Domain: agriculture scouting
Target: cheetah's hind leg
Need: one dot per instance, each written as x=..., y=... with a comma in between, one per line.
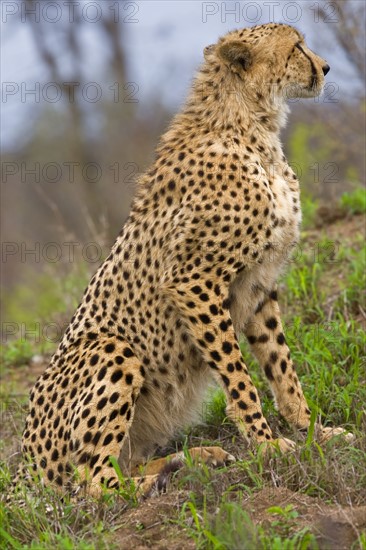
x=105, y=426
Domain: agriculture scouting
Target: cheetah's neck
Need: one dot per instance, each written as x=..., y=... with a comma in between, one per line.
x=220, y=103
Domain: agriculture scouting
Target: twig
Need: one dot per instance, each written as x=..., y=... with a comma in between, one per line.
x=363, y=313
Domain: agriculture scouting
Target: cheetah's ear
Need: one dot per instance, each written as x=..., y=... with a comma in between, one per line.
x=236, y=53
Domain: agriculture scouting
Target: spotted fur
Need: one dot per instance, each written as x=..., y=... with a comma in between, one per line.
x=195, y=265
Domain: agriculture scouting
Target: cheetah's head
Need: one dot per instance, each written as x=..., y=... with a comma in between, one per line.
x=273, y=59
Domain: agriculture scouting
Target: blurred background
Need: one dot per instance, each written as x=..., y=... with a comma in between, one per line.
x=88, y=87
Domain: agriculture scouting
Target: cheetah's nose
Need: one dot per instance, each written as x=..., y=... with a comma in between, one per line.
x=326, y=69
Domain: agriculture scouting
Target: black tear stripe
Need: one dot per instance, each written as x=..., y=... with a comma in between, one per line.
x=314, y=77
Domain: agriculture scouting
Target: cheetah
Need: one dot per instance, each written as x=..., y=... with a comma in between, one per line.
x=193, y=268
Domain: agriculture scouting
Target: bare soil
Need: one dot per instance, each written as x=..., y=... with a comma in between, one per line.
x=152, y=524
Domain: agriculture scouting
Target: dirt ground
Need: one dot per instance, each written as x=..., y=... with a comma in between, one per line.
x=152, y=523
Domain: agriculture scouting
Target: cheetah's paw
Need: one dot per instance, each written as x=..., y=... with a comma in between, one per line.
x=213, y=456
x=325, y=434
x=281, y=444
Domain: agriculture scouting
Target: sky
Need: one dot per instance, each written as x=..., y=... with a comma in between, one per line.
x=164, y=43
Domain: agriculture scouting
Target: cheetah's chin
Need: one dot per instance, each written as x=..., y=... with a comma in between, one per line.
x=294, y=92
x=305, y=93
x=315, y=90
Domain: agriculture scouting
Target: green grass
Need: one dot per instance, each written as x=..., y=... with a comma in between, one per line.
x=354, y=201
x=309, y=207
x=38, y=312
x=44, y=522
x=214, y=407
x=16, y=352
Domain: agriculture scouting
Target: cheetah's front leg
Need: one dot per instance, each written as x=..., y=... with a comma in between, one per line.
x=206, y=314
x=265, y=335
